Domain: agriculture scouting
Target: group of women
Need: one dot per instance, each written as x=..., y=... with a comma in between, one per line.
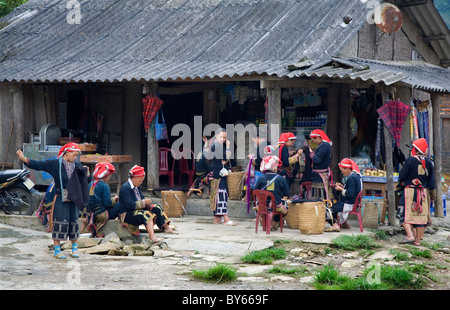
x=71, y=194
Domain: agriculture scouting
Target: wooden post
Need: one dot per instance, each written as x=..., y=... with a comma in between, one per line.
x=152, y=155
x=437, y=150
x=344, y=122
x=333, y=125
x=389, y=168
x=274, y=110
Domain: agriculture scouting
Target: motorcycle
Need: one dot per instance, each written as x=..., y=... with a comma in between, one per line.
x=15, y=195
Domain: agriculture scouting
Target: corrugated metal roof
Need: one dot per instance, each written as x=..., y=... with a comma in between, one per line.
x=416, y=74
x=433, y=27
x=126, y=40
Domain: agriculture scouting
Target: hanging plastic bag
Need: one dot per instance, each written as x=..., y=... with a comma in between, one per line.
x=161, y=128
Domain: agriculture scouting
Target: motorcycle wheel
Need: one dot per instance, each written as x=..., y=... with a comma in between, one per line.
x=23, y=202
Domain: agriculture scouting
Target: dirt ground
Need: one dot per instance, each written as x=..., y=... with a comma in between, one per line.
x=27, y=264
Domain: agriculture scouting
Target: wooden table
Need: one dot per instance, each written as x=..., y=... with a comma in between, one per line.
x=92, y=160
x=377, y=185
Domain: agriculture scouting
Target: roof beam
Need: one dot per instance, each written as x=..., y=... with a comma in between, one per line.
x=435, y=37
x=412, y=3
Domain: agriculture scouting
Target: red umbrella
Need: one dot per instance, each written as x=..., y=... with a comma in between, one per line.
x=394, y=114
x=151, y=106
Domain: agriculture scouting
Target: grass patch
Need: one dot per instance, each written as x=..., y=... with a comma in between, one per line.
x=420, y=253
x=353, y=242
x=264, y=257
x=379, y=234
x=284, y=270
x=375, y=278
x=219, y=273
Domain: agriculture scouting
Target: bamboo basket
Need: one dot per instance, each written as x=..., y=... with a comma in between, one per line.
x=371, y=210
x=311, y=217
x=291, y=218
x=174, y=203
x=235, y=185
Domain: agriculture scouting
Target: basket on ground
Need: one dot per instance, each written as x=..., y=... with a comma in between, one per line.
x=311, y=217
x=235, y=185
x=373, y=211
x=174, y=203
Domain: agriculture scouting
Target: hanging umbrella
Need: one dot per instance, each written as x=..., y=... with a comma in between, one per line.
x=151, y=105
x=394, y=114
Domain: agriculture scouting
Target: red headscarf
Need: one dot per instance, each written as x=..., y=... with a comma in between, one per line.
x=137, y=171
x=420, y=147
x=269, y=163
x=285, y=136
x=103, y=169
x=320, y=133
x=350, y=164
x=69, y=147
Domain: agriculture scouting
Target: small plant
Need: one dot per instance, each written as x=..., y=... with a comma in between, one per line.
x=283, y=269
x=264, y=257
x=219, y=273
x=380, y=234
x=329, y=276
x=346, y=242
x=419, y=253
x=399, y=257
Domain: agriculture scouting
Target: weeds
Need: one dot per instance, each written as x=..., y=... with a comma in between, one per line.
x=264, y=257
x=351, y=243
x=283, y=269
x=219, y=273
x=386, y=278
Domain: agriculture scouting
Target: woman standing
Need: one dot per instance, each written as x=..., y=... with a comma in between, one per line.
x=417, y=178
x=321, y=159
x=220, y=154
x=71, y=194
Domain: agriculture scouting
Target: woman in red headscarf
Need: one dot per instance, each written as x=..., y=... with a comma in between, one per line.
x=321, y=159
x=101, y=207
x=286, y=165
x=348, y=194
x=71, y=196
x=136, y=210
x=416, y=178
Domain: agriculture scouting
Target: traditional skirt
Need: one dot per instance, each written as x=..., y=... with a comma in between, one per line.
x=414, y=206
x=219, y=196
x=132, y=220
x=63, y=220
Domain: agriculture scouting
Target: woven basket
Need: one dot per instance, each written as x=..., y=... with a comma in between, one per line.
x=235, y=185
x=311, y=217
x=292, y=216
x=174, y=203
x=371, y=210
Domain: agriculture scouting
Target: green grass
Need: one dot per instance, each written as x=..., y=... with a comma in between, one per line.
x=353, y=242
x=386, y=278
x=219, y=273
x=264, y=257
x=284, y=270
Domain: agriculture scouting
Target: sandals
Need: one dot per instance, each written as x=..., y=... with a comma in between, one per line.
x=60, y=256
x=156, y=240
x=75, y=255
x=230, y=223
x=332, y=229
x=405, y=241
x=171, y=231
